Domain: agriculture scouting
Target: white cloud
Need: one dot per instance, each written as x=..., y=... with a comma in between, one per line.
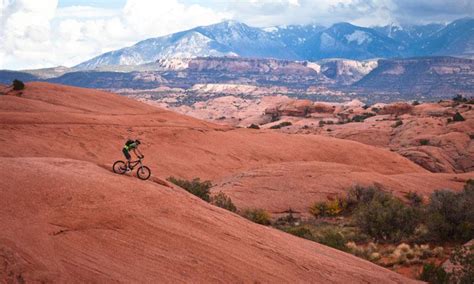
x=36, y=34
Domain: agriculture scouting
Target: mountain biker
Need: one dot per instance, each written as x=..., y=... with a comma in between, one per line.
x=131, y=145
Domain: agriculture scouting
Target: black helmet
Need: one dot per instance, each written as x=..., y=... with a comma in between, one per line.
x=138, y=142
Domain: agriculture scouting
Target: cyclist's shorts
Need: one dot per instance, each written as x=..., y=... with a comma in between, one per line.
x=127, y=155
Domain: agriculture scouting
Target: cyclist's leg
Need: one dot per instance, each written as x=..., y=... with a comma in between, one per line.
x=127, y=156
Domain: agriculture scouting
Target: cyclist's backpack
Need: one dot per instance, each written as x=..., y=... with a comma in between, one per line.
x=129, y=142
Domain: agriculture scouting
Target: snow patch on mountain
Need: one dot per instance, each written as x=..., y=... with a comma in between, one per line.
x=327, y=41
x=360, y=37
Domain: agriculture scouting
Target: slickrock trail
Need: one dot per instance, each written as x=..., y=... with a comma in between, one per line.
x=70, y=221
x=64, y=217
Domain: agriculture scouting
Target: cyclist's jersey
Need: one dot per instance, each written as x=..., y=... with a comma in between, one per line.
x=130, y=146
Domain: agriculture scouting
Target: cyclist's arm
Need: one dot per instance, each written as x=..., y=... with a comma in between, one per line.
x=139, y=153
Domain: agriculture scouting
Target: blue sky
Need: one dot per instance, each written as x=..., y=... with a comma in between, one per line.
x=46, y=33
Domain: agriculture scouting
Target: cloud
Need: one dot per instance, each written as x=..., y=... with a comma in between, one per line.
x=36, y=34
x=426, y=11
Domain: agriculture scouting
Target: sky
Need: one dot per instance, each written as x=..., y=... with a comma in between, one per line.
x=46, y=33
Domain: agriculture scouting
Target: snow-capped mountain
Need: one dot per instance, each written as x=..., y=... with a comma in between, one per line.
x=297, y=42
x=344, y=40
x=456, y=39
x=228, y=38
x=295, y=37
x=409, y=34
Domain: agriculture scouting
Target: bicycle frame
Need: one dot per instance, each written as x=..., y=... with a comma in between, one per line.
x=133, y=164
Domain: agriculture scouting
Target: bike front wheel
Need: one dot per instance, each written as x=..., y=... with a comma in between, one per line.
x=119, y=167
x=143, y=172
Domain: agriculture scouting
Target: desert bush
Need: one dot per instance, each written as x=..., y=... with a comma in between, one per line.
x=463, y=261
x=424, y=142
x=460, y=99
x=360, y=194
x=223, y=201
x=195, y=186
x=397, y=124
x=332, y=238
x=432, y=273
x=366, y=252
x=18, y=85
x=301, y=232
x=254, y=126
x=386, y=218
x=288, y=219
x=458, y=117
x=414, y=198
x=328, y=208
x=259, y=216
x=362, y=117
x=450, y=215
x=415, y=103
x=283, y=124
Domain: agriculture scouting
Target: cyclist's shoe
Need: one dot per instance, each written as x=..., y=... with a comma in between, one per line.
x=128, y=170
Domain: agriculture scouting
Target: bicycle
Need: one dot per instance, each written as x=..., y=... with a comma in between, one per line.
x=143, y=172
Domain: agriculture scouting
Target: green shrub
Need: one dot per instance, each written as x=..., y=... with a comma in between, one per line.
x=360, y=194
x=18, y=85
x=450, y=215
x=362, y=117
x=283, y=124
x=332, y=238
x=458, y=117
x=196, y=187
x=414, y=198
x=321, y=123
x=301, y=232
x=254, y=126
x=415, y=103
x=259, y=216
x=459, y=98
x=397, y=124
x=424, y=142
x=223, y=201
x=432, y=273
x=386, y=218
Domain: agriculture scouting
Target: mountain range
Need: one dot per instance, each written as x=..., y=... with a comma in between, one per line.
x=298, y=42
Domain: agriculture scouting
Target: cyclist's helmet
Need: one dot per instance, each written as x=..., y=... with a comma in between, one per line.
x=138, y=142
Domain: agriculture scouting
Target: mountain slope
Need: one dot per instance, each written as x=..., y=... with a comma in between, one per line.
x=457, y=39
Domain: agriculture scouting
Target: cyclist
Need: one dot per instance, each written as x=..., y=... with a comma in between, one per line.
x=131, y=145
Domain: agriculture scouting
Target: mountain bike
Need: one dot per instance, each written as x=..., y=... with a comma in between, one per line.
x=143, y=172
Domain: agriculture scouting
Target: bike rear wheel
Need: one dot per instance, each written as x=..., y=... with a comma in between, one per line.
x=119, y=167
x=143, y=172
